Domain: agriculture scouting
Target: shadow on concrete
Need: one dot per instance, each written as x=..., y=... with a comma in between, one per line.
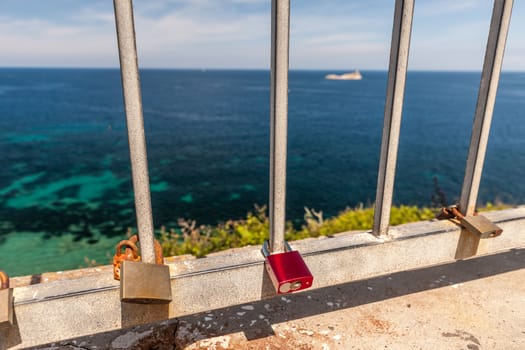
x=36, y=279
x=10, y=334
x=135, y=314
x=256, y=319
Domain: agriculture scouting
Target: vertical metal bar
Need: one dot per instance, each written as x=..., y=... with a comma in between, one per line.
x=402, y=28
x=499, y=28
x=278, y=121
x=136, y=137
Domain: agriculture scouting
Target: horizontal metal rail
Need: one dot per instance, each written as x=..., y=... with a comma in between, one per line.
x=402, y=28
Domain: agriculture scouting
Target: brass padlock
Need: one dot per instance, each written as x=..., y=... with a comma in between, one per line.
x=145, y=283
x=480, y=226
x=476, y=224
x=6, y=300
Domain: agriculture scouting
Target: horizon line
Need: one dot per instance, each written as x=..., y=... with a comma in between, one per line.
x=250, y=69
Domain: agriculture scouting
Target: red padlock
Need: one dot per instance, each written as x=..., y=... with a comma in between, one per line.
x=287, y=270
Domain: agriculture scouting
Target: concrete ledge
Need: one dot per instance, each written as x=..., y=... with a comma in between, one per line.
x=66, y=309
x=470, y=304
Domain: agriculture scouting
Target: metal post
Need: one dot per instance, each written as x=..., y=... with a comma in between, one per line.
x=403, y=14
x=499, y=28
x=136, y=138
x=278, y=121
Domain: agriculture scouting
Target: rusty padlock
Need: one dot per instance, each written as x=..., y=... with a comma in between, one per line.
x=477, y=224
x=159, y=257
x=145, y=283
x=287, y=270
x=131, y=253
x=6, y=300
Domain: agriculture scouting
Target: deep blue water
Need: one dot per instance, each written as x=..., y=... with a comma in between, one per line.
x=65, y=188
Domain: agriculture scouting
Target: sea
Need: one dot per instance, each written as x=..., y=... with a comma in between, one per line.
x=66, y=195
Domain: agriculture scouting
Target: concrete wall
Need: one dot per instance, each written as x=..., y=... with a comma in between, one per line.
x=64, y=309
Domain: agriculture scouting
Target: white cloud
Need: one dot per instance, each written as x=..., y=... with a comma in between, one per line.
x=447, y=7
x=447, y=34
x=37, y=42
x=182, y=41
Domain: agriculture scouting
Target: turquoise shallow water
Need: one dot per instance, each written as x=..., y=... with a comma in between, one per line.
x=65, y=187
x=26, y=253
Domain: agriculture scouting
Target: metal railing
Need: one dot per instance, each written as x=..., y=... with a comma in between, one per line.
x=280, y=29
x=279, y=121
x=135, y=122
x=402, y=28
x=403, y=15
x=499, y=28
x=92, y=302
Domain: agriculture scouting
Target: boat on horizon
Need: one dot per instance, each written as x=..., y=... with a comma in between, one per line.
x=355, y=75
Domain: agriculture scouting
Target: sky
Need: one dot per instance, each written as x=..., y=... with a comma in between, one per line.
x=329, y=35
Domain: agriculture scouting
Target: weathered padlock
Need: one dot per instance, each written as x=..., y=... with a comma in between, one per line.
x=480, y=226
x=159, y=258
x=131, y=253
x=287, y=270
x=477, y=224
x=6, y=300
x=145, y=283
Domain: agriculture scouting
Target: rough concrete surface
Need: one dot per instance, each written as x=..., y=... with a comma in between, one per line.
x=473, y=304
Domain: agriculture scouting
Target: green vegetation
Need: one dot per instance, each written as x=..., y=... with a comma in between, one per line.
x=189, y=238
x=200, y=240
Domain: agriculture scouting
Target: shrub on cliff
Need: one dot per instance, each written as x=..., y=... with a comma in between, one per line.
x=199, y=240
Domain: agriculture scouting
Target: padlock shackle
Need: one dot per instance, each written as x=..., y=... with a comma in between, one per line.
x=159, y=256
x=455, y=211
x=127, y=243
x=266, y=248
x=4, y=280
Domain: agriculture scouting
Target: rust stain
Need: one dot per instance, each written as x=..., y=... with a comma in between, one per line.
x=370, y=324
